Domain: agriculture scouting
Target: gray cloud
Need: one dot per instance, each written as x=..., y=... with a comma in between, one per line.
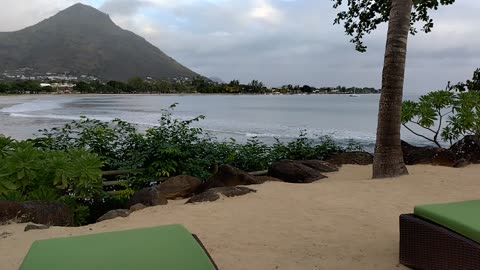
x=122, y=7
x=282, y=42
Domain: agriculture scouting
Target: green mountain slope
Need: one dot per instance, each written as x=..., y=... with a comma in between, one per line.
x=83, y=40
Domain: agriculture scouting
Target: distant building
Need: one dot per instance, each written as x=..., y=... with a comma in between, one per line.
x=63, y=85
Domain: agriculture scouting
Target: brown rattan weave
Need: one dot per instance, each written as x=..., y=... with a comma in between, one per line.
x=427, y=246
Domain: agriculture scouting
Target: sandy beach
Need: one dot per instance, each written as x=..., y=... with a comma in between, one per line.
x=344, y=222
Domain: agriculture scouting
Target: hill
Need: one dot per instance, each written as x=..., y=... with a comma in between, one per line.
x=83, y=40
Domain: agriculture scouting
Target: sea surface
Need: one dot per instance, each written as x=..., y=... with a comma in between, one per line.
x=240, y=117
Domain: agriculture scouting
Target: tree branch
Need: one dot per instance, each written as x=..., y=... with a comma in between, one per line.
x=440, y=120
x=429, y=129
x=420, y=135
x=445, y=114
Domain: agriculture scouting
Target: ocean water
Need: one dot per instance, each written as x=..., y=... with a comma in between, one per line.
x=241, y=117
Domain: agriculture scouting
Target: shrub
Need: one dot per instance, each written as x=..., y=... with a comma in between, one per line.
x=459, y=105
x=428, y=114
x=175, y=147
x=31, y=173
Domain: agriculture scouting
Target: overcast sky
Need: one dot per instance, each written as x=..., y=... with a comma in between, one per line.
x=279, y=41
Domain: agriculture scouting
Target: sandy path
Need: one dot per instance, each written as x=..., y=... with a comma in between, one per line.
x=344, y=222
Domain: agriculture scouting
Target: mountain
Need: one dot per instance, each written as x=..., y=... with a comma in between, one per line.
x=84, y=40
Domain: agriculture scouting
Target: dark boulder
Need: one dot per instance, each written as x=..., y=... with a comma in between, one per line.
x=214, y=194
x=264, y=179
x=294, y=172
x=319, y=165
x=38, y=212
x=148, y=197
x=114, y=214
x=137, y=207
x=353, y=158
x=31, y=227
x=10, y=210
x=413, y=155
x=467, y=149
x=228, y=176
x=181, y=186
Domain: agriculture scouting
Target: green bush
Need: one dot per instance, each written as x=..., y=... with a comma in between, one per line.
x=465, y=118
x=119, y=143
x=28, y=172
x=428, y=114
x=30, y=169
x=5, y=144
x=446, y=115
x=176, y=147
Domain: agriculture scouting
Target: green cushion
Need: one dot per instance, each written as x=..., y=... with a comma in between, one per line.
x=161, y=248
x=460, y=217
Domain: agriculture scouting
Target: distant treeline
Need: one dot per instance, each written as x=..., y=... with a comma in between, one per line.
x=196, y=85
x=24, y=87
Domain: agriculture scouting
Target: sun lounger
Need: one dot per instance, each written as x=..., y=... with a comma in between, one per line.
x=441, y=236
x=161, y=248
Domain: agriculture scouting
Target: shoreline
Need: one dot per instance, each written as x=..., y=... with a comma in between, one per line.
x=346, y=221
x=178, y=94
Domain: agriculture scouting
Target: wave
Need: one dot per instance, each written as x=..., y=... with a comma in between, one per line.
x=74, y=117
x=310, y=133
x=49, y=116
x=285, y=134
x=36, y=105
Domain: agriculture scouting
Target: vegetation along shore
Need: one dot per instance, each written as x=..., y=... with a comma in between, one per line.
x=197, y=85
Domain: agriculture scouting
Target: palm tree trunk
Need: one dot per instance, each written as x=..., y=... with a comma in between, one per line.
x=388, y=161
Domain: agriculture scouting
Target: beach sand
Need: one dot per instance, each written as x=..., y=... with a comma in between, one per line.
x=344, y=222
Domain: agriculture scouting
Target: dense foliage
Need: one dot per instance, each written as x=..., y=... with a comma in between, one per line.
x=28, y=172
x=65, y=164
x=446, y=115
x=197, y=85
x=176, y=146
x=23, y=87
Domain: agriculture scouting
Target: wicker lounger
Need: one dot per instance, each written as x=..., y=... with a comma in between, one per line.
x=427, y=246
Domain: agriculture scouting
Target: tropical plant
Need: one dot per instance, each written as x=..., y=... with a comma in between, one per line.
x=465, y=118
x=118, y=142
x=469, y=85
x=5, y=144
x=428, y=114
x=446, y=115
x=48, y=174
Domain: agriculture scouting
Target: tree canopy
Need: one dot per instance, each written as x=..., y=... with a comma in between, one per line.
x=361, y=17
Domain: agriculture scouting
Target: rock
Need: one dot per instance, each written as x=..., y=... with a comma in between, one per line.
x=264, y=179
x=319, y=165
x=354, y=158
x=213, y=194
x=294, y=172
x=137, y=207
x=181, y=186
x=467, y=150
x=148, y=197
x=413, y=155
x=38, y=212
x=228, y=176
x=10, y=210
x=114, y=214
x=31, y=227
